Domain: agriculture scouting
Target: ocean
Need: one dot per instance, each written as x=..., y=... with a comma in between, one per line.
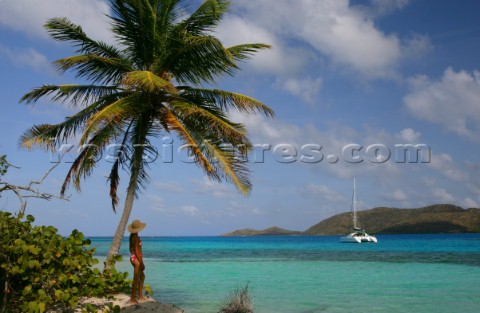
x=401, y=273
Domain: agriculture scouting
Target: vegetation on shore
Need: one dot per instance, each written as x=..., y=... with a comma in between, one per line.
x=439, y=218
x=40, y=270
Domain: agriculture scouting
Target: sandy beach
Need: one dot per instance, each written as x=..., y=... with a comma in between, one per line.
x=123, y=301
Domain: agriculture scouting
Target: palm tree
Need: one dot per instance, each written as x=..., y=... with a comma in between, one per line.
x=149, y=85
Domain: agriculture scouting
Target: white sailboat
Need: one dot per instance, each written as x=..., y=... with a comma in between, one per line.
x=359, y=234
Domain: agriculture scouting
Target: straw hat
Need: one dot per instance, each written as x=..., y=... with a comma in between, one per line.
x=136, y=226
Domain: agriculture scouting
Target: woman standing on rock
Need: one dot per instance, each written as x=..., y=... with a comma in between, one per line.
x=136, y=258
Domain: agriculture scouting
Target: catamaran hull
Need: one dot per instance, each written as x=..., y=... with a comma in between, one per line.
x=358, y=238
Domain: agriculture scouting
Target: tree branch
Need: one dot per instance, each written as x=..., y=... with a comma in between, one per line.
x=28, y=191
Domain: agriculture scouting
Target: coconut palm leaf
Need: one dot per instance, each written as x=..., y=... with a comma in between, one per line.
x=120, y=159
x=206, y=17
x=70, y=93
x=147, y=81
x=227, y=100
x=62, y=29
x=243, y=52
x=212, y=116
x=95, y=68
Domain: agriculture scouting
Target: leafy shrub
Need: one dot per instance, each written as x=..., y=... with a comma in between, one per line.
x=239, y=301
x=41, y=270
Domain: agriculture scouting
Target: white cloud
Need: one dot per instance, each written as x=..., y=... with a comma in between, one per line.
x=29, y=16
x=397, y=196
x=190, y=210
x=469, y=203
x=213, y=188
x=408, y=135
x=30, y=58
x=306, y=89
x=280, y=59
x=444, y=164
x=333, y=28
x=442, y=196
x=236, y=209
x=168, y=186
x=451, y=102
x=323, y=192
x=157, y=203
x=385, y=7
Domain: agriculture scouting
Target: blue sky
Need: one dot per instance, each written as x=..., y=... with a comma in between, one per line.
x=351, y=82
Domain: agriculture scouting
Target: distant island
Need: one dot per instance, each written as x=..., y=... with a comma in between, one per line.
x=272, y=231
x=433, y=219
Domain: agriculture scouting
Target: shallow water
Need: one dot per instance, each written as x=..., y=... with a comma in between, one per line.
x=402, y=273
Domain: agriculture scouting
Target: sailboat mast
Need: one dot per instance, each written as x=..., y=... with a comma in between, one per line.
x=354, y=204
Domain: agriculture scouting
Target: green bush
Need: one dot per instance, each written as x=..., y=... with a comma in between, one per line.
x=41, y=270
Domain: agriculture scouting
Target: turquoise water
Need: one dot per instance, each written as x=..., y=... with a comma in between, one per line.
x=402, y=273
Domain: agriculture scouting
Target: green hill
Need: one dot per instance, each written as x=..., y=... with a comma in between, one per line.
x=439, y=218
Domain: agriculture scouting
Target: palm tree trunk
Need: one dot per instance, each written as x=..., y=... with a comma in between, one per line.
x=132, y=188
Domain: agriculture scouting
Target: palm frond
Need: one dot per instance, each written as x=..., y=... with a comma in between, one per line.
x=207, y=116
x=117, y=112
x=40, y=136
x=146, y=81
x=245, y=51
x=193, y=145
x=230, y=164
x=140, y=147
x=225, y=156
x=95, y=68
x=199, y=59
x=52, y=136
x=74, y=94
x=120, y=159
x=134, y=24
x=62, y=29
x=206, y=17
x=90, y=153
x=227, y=100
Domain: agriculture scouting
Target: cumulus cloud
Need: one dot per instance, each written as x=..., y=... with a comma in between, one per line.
x=306, y=89
x=168, y=186
x=30, y=58
x=442, y=196
x=281, y=59
x=333, y=28
x=190, y=210
x=379, y=8
x=408, y=135
x=397, y=196
x=29, y=16
x=323, y=192
x=444, y=164
x=469, y=203
x=157, y=203
x=213, y=188
x=451, y=101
